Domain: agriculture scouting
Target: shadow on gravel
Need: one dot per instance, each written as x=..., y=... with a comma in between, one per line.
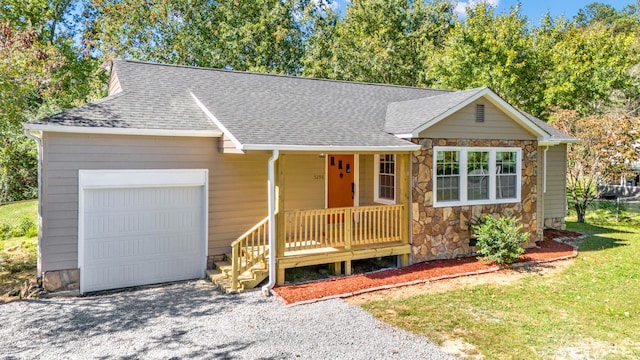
x=86, y=318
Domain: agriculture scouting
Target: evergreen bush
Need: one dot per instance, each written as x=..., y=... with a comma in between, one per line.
x=499, y=239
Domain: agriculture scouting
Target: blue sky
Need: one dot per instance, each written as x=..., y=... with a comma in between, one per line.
x=535, y=9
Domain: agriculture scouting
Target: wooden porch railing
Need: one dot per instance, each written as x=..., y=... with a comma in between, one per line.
x=249, y=249
x=343, y=227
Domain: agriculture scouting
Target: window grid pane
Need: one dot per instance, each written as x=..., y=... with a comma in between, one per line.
x=386, y=177
x=477, y=175
x=506, y=174
x=448, y=178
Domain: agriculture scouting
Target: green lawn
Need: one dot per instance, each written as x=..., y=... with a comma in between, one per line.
x=590, y=310
x=12, y=213
x=18, y=252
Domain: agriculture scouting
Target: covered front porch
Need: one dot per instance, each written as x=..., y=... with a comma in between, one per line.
x=334, y=235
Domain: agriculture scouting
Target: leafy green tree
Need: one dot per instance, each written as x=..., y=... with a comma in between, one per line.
x=590, y=65
x=263, y=36
x=41, y=72
x=320, y=59
x=493, y=50
x=625, y=20
x=592, y=69
x=380, y=41
x=606, y=147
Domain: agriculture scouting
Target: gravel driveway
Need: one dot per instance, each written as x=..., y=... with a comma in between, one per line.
x=193, y=320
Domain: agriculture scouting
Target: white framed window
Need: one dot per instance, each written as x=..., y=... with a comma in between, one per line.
x=476, y=175
x=384, y=179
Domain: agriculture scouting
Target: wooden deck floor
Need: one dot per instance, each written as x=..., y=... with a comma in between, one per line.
x=328, y=255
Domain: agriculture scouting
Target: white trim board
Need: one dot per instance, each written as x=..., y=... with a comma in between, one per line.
x=334, y=149
x=97, y=179
x=376, y=180
x=121, y=131
x=462, y=201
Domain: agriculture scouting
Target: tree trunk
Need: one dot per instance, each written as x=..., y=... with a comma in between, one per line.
x=580, y=211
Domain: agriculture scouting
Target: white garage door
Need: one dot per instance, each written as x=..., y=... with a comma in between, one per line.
x=139, y=227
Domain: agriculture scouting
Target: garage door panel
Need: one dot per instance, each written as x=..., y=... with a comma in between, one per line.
x=142, y=235
x=153, y=270
x=108, y=200
x=140, y=222
x=137, y=223
x=137, y=246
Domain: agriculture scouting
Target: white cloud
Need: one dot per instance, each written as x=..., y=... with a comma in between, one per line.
x=461, y=6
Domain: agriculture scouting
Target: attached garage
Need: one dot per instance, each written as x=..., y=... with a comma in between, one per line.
x=139, y=227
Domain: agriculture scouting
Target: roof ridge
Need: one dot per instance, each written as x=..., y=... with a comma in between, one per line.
x=280, y=75
x=449, y=92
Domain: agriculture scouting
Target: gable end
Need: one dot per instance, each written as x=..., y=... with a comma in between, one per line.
x=479, y=120
x=114, y=83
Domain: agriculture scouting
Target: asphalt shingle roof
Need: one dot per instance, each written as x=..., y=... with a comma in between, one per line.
x=554, y=134
x=145, y=103
x=405, y=116
x=260, y=109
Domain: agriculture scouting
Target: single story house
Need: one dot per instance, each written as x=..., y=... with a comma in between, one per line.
x=179, y=166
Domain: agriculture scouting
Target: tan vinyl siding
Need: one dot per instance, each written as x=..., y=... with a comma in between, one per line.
x=227, y=146
x=237, y=184
x=555, y=199
x=114, y=84
x=463, y=125
x=304, y=182
x=366, y=180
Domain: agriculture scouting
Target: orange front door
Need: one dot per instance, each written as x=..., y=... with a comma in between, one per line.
x=340, y=185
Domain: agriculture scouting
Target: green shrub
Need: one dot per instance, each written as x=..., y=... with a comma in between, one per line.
x=499, y=239
x=31, y=232
x=18, y=167
x=5, y=231
x=16, y=232
x=28, y=227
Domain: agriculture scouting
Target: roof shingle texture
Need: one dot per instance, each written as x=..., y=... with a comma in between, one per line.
x=255, y=108
x=151, y=100
x=260, y=109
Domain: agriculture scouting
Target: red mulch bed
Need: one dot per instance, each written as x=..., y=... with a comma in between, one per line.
x=346, y=286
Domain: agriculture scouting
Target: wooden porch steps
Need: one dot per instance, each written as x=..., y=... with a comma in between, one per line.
x=221, y=276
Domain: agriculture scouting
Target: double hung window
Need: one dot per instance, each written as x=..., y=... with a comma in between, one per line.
x=470, y=176
x=385, y=178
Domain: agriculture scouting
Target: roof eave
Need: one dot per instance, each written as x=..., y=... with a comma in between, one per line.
x=554, y=142
x=121, y=131
x=404, y=136
x=331, y=148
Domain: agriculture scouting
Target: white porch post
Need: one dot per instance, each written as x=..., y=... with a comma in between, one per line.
x=272, y=222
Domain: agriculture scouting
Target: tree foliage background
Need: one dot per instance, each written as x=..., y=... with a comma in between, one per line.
x=55, y=54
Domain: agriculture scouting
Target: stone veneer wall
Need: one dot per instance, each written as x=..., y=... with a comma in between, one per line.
x=61, y=280
x=443, y=233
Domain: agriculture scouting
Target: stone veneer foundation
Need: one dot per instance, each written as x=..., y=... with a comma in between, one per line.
x=555, y=223
x=443, y=232
x=61, y=280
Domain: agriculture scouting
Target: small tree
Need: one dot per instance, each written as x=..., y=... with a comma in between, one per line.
x=500, y=239
x=606, y=147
